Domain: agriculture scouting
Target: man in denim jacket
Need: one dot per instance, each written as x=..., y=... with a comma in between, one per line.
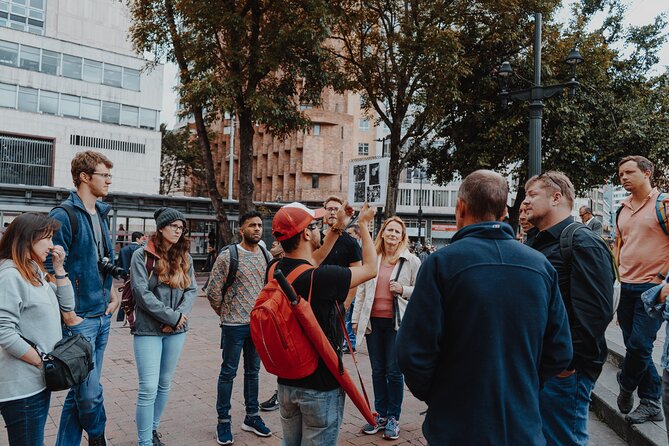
x=655, y=301
x=83, y=408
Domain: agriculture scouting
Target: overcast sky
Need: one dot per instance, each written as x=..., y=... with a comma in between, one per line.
x=639, y=12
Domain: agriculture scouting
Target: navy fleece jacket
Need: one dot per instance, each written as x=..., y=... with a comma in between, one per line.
x=484, y=328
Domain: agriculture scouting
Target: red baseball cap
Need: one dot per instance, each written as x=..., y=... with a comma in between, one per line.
x=292, y=219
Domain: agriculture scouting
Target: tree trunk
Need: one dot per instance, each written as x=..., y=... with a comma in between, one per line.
x=202, y=136
x=246, y=186
x=394, y=172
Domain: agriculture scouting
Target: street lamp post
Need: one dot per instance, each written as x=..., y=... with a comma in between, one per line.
x=536, y=94
x=420, y=204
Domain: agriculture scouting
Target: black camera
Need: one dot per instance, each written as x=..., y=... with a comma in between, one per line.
x=106, y=266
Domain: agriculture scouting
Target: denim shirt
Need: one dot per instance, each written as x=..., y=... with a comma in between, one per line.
x=658, y=311
x=91, y=290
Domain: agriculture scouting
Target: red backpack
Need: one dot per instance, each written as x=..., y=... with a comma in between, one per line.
x=283, y=347
x=127, y=299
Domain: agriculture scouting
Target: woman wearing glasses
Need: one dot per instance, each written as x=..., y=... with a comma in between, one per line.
x=164, y=288
x=29, y=310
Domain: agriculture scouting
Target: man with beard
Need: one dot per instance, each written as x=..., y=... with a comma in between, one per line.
x=586, y=276
x=234, y=306
x=84, y=233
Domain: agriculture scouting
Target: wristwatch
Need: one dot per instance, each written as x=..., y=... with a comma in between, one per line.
x=58, y=276
x=661, y=276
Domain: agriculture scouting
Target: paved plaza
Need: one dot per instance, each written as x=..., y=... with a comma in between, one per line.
x=190, y=418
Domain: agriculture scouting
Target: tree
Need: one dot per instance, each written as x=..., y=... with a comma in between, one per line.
x=620, y=108
x=401, y=55
x=178, y=159
x=257, y=59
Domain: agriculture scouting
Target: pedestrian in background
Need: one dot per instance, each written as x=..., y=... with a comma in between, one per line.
x=29, y=310
x=377, y=316
x=475, y=350
x=164, y=297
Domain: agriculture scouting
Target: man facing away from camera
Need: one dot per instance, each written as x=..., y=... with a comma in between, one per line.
x=474, y=349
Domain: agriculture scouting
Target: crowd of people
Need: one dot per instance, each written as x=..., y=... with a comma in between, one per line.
x=486, y=328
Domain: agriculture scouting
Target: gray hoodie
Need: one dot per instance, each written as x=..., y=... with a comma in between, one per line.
x=158, y=304
x=34, y=312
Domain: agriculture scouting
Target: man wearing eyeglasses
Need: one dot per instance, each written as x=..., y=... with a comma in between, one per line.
x=589, y=220
x=346, y=252
x=86, y=244
x=585, y=276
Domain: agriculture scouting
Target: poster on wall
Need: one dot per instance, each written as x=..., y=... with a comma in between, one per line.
x=368, y=181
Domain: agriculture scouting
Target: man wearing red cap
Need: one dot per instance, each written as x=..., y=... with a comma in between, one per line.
x=312, y=408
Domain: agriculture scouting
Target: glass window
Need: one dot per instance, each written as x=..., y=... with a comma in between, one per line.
x=147, y=119
x=92, y=71
x=30, y=58
x=39, y=4
x=7, y=95
x=112, y=75
x=317, y=130
x=48, y=102
x=90, y=109
x=27, y=99
x=111, y=112
x=363, y=124
x=71, y=66
x=50, y=62
x=363, y=149
x=131, y=79
x=9, y=53
x=129, y=115
x=314, y=181
x=69, y=105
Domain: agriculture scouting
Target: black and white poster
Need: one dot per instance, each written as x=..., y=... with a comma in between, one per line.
x=368, y=181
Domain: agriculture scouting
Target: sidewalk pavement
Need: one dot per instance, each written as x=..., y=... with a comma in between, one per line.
x=190, y=418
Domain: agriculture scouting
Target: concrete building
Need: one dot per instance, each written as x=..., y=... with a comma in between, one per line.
x=70, y=81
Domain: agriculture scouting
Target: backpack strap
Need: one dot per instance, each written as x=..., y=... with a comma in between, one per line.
x=661, y=212
x=232, y=269
x=567, y=240
x=72, y=216
x=265, y=253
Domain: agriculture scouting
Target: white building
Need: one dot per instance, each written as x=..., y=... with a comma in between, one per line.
x=70, y=81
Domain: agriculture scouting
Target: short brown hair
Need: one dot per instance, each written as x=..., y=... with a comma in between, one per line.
x=333, y=198
x=642, y=163
x=557, y=181
x=485, y=192
x=86, y=162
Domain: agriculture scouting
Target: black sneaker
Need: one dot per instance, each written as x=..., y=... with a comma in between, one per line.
x=647, y=410
x=156, y=439
x=625, y=397
x=272, y=403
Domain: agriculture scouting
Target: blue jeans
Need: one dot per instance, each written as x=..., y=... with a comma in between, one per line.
x=665, y=399
x=639, y=333
x=84, y=408
x=310, y=417
x=156, y=358
x=349, y=325
x=564, y=404
x=387, y=377
x=25, y=419
x=235, y=339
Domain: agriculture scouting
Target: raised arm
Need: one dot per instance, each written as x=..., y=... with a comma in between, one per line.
x=368, y=269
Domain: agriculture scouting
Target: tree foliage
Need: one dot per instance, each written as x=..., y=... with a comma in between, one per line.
x=256, y=59
x=179, y=158
x=402, y=56
x=620, y=109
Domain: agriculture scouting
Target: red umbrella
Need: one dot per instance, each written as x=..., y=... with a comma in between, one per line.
x=314, y=332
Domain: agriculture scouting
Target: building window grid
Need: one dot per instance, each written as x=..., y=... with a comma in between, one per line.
x=147, y=118
x=416, y=197
x=25, y=160
x=363, y=149
x=404, y=197
x=440, y=198
x=128, y=78
x=23, y=15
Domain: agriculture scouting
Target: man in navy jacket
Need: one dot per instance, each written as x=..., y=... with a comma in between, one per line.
x=484, y=328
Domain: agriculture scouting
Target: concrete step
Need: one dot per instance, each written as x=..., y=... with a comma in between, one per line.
x=605, y=406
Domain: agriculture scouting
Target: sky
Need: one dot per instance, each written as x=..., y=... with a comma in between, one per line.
x=639, y=12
